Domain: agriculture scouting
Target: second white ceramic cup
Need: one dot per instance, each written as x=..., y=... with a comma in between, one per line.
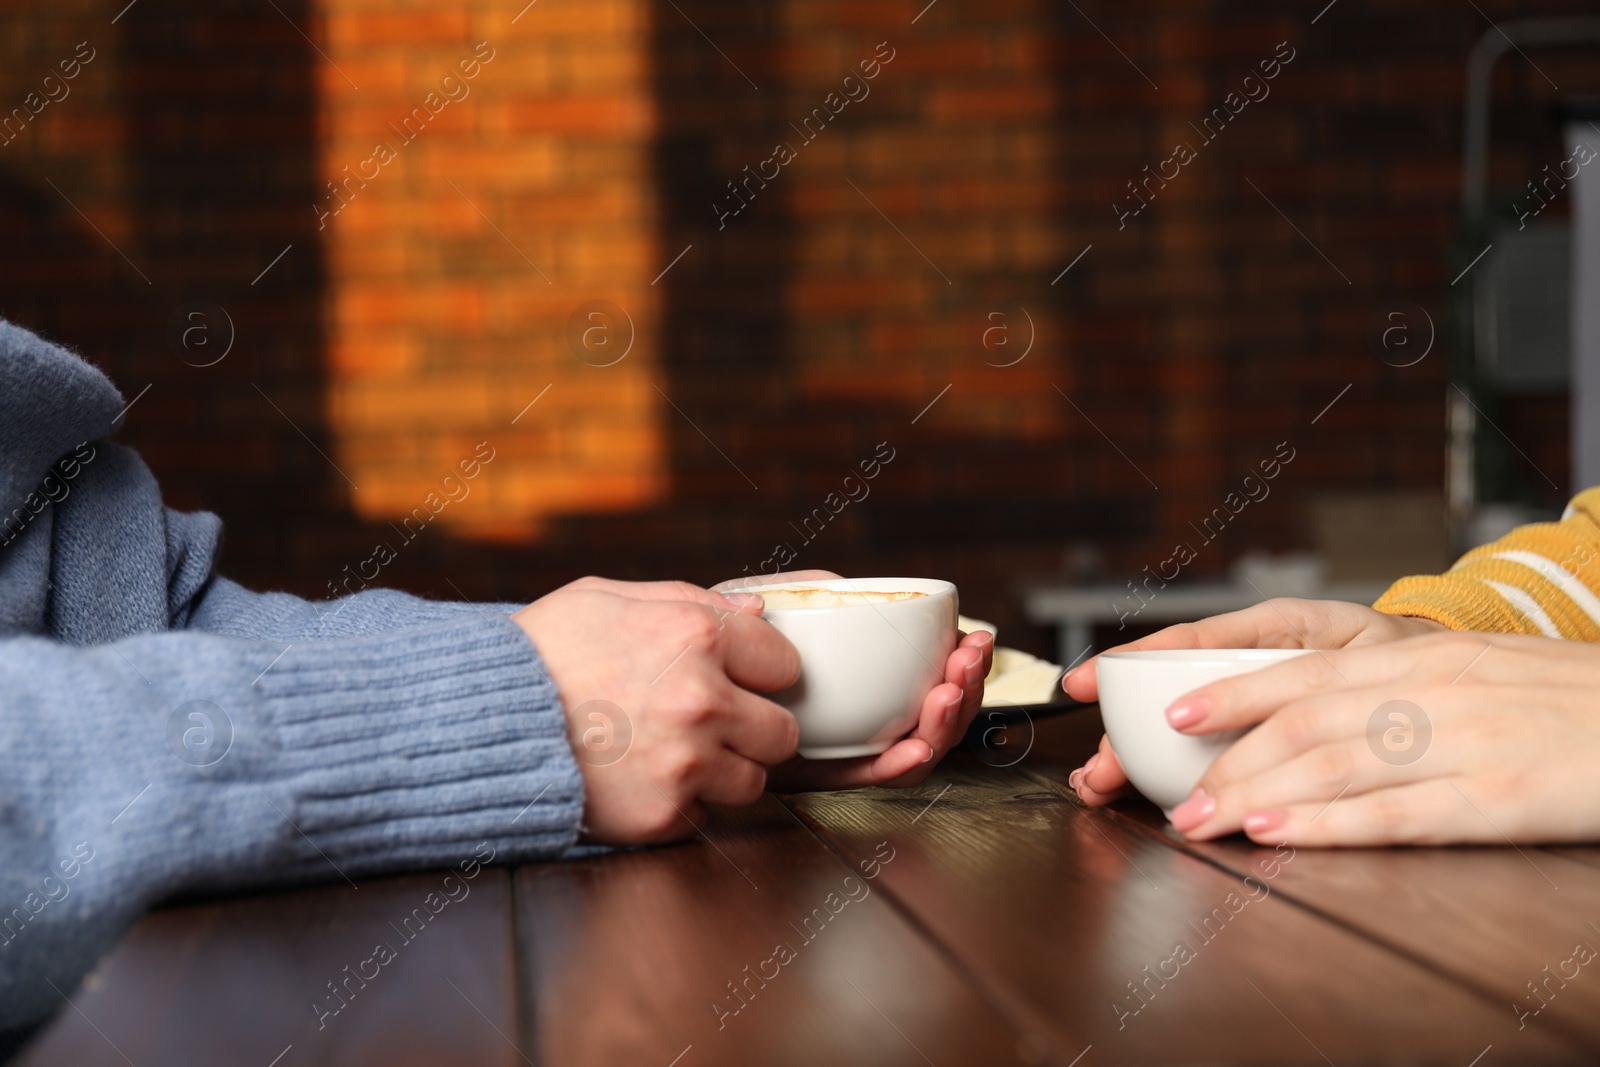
x=865, y=665
x=1136, y=688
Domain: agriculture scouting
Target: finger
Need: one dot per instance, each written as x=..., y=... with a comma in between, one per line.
x=1294, y=730
x=940, y=726
x=983, y=641
x=940, y=722
x=756, y=656
x=901, y=772
x=1101, y=780
x=961, y=665
x=782, y=578
x=965, y=669
x=1322, y=776
x=1284, y=622
x=1094, y=799
x=1430, y=658
x=669, y=591
x=1434, y=812
x=732, y=779
x=1246, y=699
x=758, y=729
x=1281, y=623
x=1082, y=683
x=903, y=763
x=1103, y=773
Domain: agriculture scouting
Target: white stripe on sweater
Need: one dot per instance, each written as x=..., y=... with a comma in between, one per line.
x=1559, y=577
x=1524, y=603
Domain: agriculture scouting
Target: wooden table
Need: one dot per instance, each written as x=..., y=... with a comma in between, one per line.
x=983, y=918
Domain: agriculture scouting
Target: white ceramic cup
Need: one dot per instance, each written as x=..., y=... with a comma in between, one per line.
x=1136, y=688
x=865, y=664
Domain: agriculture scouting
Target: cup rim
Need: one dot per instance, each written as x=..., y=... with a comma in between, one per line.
x=1205, y=655
x=932, y=588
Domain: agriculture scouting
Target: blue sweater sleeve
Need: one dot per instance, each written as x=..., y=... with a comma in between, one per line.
x=225, y=607
x=165, y=731
x=181, y=761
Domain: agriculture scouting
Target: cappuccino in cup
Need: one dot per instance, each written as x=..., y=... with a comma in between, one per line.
x=805, y=597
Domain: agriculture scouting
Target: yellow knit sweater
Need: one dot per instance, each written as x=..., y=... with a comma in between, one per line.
x=1542, y=579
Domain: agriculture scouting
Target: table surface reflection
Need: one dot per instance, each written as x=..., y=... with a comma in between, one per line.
x=983, y=918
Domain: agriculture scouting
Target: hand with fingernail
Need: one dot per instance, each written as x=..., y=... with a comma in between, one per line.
x=1448, y=738
x=1284, y=623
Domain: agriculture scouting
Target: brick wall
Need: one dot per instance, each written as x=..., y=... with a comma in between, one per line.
x=141, y=212
x=860, y=294
x=509, y=167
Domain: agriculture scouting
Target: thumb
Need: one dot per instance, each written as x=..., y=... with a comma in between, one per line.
x=1082, y=683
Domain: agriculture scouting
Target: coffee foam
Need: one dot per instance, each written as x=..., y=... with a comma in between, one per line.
x=811, y=597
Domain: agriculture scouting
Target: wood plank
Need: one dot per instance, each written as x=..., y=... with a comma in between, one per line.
x=1513, y=924
x=236, y=981
x=1587, y=854
x=651, y=955
x=1073, y=921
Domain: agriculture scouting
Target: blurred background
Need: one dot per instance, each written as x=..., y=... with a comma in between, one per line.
x=332, y=250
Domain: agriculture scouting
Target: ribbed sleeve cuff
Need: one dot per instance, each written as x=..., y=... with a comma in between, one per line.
x=1461, y=604
x=413, y=748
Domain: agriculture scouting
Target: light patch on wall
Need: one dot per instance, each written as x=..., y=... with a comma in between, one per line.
x=490, y=229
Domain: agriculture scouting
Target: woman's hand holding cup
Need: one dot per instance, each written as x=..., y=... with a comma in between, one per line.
x=1282, y=623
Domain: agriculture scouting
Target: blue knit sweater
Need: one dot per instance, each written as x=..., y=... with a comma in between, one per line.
x=163, y=730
